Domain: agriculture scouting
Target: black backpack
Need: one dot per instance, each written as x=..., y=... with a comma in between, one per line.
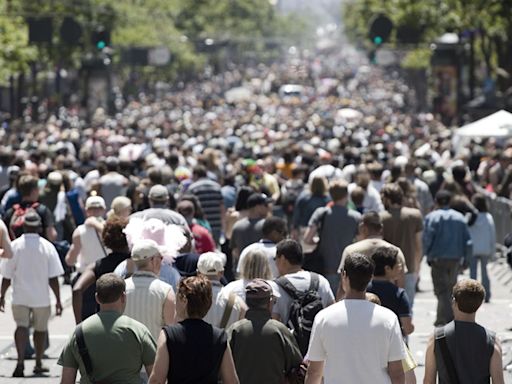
x=303, y=309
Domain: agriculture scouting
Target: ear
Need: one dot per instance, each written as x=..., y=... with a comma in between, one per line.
x=96, y=298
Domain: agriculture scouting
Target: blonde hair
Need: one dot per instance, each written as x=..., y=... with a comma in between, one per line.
x=255, y=265
x=118, y=204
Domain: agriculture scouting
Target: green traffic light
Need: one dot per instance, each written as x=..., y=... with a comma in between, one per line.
x=377, y=40
x=101, y=44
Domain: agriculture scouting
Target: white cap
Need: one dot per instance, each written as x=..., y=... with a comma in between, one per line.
x=144, y=249
x=210, y=263
x=95, y=202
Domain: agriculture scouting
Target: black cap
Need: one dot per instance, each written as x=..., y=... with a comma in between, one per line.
x=258, y=199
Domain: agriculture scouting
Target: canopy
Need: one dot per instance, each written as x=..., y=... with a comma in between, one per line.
x=498, y=124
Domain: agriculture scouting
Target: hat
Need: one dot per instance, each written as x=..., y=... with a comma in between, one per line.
x=258, y=199
x=158, y=193
x=210, y=263
x=95, y=202
x=258, y=289
x=144, y=249
x=54, y=178
x=31, y=219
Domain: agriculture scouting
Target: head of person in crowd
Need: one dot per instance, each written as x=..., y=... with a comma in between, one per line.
x=95, y=206
x=392, y=195
x=155, y=176
x=318, y=186
x=255, y=265
x=121, y=206
x=363, y=177
x=111, y=293
x=443, y=198
x=194, y=297
x=259, y=295
x=28, y=188
x=395, y=172
x=338, y=190
x=259, y=205
x=459, y=173
x=480, y=202
x=146, y=256
x=357, y=196
x=199, y=172
x=13, y=172
x=289, y=256
x=113, y=235
x=241, y=198
x=375, y=169
x=112, y=164
x=274, y=229
x=386, y=263
x=198, y=209
x=54, y=181
x=158, y=196
x=211, y=265
x=410, y=168
x=187, y=210
x=370, y=225
x=373, y=298
x=357, y=273
x=32, y=222
x=468, y=296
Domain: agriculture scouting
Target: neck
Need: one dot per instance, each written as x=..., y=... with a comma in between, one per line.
x=147, y=269
x=461, y=316
x=355, y=295
x=341, y=203
x=115, y=307
x=253, y=214
x=383, y=278
x=292, y=269
x=373, y=236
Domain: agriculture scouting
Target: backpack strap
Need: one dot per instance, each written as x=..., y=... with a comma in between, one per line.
x=82, y=350
x=445, y=354
x=227, y=311
x=315, y=282
x=289, y=288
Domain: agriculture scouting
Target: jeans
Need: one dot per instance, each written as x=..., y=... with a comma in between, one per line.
x=410, y=286
x=444, y=277
x=473, y=266
x=334, y=282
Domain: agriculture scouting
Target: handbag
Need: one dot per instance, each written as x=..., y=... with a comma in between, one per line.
x=296, y=375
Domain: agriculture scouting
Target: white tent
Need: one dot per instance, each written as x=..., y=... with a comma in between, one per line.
x=498, y=124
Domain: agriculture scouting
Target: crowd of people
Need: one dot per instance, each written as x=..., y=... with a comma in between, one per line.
x=255, y=239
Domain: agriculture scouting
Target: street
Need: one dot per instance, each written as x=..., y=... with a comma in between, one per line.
x=496, y=315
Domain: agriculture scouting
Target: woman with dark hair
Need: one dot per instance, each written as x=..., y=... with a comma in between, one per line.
x=199, y=213
x=193, y=351
x=113, y=238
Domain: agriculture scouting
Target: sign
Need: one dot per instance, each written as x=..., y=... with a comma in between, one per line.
x=159, y=56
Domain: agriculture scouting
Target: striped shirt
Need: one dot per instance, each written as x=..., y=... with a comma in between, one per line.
x=145, y=299
x=210, y=196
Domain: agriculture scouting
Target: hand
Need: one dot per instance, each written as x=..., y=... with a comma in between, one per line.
x=58, y=308
x=2, y=304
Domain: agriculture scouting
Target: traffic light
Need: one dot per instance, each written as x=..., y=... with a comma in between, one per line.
x=40, y=29
x=380, y=29
x=101, y=38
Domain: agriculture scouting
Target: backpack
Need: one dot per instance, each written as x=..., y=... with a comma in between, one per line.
x=303, y=309
x=18, y=219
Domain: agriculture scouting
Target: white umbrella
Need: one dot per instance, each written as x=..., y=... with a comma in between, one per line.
x=238, y=94
x=498, y=124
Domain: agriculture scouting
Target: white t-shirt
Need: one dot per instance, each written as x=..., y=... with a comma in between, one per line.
x=265, y=246
x=219, y=303
x=35, y=260
x=356, y=339
x=301, y=281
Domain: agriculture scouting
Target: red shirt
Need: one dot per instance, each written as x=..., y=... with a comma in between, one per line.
x=203, y=239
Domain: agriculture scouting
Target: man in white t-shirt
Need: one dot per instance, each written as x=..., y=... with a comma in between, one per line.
x=35, y=264
x=354, y=340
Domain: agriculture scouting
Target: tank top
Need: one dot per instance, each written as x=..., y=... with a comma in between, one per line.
x=471, y=347
x=195, y=349
x=91, y=250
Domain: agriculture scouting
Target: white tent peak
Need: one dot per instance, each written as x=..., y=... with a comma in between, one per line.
x=498, y=124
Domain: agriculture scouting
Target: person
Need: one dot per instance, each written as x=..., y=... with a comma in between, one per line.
x=225, y=310
x=448, y=246
x=35, y=264
x=203, y=240
x=121, y=206
x=425, y=198
x=336, y=227
x=372, y=199
x=354, y=339
x=112, y=183
x=259, y=335
x=274, y=230
x=387, y=268
x=474, y=351
x=117, y=345
x=193, y=351
x=5, y=242
x=402, y=227
x=483, y=235
x=148, y=299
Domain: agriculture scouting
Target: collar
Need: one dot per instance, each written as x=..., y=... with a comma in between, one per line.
x=145, y=274
x=266, y=241
x=374, y=237
x=257, y=314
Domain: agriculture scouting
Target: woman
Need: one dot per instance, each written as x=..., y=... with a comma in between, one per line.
x=193, y=351
x=121, y=206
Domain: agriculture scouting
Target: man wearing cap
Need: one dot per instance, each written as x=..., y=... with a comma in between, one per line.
x=148, y=299
x=35, y=265
x=112, y=184
x=250, y=229
x=258, y=336
x=225, y=309
x=159, y=208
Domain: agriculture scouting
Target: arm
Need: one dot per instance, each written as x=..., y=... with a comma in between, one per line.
x=74, y=250
x=430, y=363
x=418, y=252
x=85, y=281
x=396, y=372
x=95, y=223
x=54, y=285
x=68, y=375
x=315, y=372
x=169, y=310
x=310, y=233
x=5, y=243
x=51, y=233
x=227, y=368
x=5, y=285
x=162, y=362
x=496, y=365
x=407, y=325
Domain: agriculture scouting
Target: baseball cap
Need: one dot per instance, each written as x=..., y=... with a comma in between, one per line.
x=258, y=199
x=32, y=219
x=144, y=249
x=95, y=202
x=210, y=263
x=158, y=193
x=258, y=289
x=54, y=178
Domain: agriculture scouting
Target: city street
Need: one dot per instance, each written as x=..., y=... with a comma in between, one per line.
x=497, y=315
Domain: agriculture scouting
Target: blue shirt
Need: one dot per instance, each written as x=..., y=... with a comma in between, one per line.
x=446, y=236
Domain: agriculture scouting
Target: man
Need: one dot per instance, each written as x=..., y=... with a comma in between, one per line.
x=112, y=183
x=274, y=230
x=372, y=200
x=370, y=233
x=250, y=229
x=422, y=190
x=159, y=208
x=474, y=351
x=260, y=337
x=448, y=246
x=355, y=339
x=148, y=299
x=210, y=196
x=402, y=227
x=29, y=191
x=338, y=228
x=35, y=265
x=117, y=346
x=225, y=309
x=203, y=241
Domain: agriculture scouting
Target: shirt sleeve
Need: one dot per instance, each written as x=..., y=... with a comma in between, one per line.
x=48, y=218
x=292, y=354
x=148, y=348
x=315, y=217
x=316, y=350
x=325, y=291
x=67, y=357
x=404, y=306
x=54, y=265
x=7, y=267
x=396, y=345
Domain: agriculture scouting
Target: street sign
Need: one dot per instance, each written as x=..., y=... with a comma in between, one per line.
x=385, y=57
x=159, y=56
